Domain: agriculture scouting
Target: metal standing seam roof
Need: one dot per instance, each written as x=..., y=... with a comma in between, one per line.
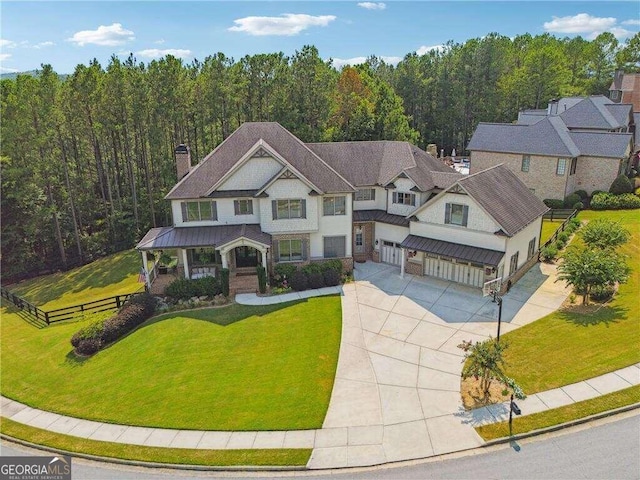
x=458, y=251
x=379, y=216
x=189, y=237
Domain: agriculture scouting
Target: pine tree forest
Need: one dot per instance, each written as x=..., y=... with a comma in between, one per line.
x=88, y=157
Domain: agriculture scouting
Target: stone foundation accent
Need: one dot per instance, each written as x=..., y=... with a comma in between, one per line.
x=413, y=268
x=375, y=256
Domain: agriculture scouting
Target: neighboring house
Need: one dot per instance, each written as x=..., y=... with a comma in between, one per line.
x=575, y=144
x=264, y=197
x=625, y=88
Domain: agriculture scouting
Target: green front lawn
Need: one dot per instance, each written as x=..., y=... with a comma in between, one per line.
x=231, y=368
x=113, y=275
x=548, y=229
x=566, y=347
x=184, y=456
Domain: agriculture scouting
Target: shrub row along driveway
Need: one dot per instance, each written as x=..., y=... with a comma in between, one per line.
x=397, y=390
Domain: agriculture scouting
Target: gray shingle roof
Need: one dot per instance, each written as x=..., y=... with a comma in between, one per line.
x=590, y=112
x=215, y=165
x=503, y=196
x=379, y=216
x=602, y=144
x=380, y=162
x=189, y=237
x=458, y=251
x=621, y=112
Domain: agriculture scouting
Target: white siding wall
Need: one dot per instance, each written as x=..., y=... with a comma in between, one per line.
x=403, y=185
x=378, y=204
x=226, y=213
x=254, y=173
x=457, y=234
x=289, y=189
x=520, y=243
x=332, y=225
x=478, y=219
x=390, y=233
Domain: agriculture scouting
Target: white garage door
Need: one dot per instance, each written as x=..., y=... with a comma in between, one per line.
x=454, y=272
x=391, y=253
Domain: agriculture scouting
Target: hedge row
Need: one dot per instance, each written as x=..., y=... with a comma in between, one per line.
x=184, y=289
x=313, y=275
x=92, y=338
x=550, y=252
x=609, y=201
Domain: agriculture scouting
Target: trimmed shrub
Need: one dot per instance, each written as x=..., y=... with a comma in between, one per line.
x=333, y=264
x=316, y=280
x=184, y=289
x=621, y=185
x=88, y=346
x=578, y=206
x=574, y=223
x=608, y=201
x=549, y=253
x=602, y=293
x=582, y=193
x=299, y=281
x=262, y=279
x=332, y=278
x=571, y=200
x=553, y=203
x=311, y=268
x=560, y=243
x=563, y=237
x=224, y=281
x=284, y=269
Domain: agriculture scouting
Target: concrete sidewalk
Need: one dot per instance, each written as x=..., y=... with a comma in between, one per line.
x=396, y=394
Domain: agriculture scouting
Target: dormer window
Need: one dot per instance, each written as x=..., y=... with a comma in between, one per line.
x=402, y=198
x=456, y=214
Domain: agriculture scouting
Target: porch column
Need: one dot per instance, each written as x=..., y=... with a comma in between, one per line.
x=185, y=261
x=147, y=279
x=225, y=260
x=402, y=262
x=263, y=254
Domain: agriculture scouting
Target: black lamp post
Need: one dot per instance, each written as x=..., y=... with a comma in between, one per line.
x=498, y=299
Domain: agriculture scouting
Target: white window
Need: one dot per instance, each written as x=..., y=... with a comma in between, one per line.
x=199, y=211
x=561, y=167
x=290, y=250
x=404, y=198
x=456, y=214
x=365, y=194
x=243, y=207
x=526, y=161
x=335, y=246
x=284, y=209
x=334, y=206
x=513, y=264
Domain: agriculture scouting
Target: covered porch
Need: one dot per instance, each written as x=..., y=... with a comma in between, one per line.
x=202, y=251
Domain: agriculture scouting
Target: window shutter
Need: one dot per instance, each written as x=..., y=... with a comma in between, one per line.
x=250, y=211
x=274, y=209
x=236, y=207
x=303, y=207
x=373, y=194
x=447, y=213
x=304, y=249
x=413, y=199
x=395, y=197
x=275, y=255
x=183, y=205
x=214, y=211
x=465, y=215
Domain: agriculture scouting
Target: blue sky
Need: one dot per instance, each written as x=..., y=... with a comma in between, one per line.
x=65, y=34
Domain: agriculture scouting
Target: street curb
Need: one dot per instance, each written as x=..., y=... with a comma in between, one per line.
x=555, y=428
x=140, y=463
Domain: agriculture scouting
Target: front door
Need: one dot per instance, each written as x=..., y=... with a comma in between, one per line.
x=246, y=257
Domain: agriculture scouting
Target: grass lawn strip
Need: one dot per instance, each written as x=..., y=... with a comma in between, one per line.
x=556, y=416
x=549, y=227
x=109, y=276
x=236, y=368
x=567, y=347
x=181, y=456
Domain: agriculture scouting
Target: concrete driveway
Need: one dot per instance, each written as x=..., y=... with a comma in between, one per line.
x=397, y=389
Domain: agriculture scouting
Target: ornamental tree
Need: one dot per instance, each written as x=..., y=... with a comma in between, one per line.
x=484, y=361
x=604, y=234
x=588, y=268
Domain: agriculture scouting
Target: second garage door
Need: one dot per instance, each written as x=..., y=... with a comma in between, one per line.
x=465, y=273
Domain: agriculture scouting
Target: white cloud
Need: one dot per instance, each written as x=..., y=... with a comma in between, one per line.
x=372, y=5
x=343, y=62
x=8, y=70
x=7, y=43
x=159, y=42
x=424, y=49
x=286, y=24
x=40, y=45
x=580, y=23
x=618, y=32
x=159, y=53
x=631, y=22
x=110, y=36
x=4, y=56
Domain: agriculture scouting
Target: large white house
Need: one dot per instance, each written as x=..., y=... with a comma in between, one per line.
x=264, y=197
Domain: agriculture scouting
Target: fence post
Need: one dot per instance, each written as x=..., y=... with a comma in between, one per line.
x=118, y=302
x=46, y=317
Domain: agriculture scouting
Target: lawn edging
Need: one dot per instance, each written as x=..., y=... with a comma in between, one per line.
x=30, y=431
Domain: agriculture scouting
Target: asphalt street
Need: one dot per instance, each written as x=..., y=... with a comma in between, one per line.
x=608, y=450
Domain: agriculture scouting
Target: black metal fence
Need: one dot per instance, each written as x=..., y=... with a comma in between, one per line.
x=66, y=313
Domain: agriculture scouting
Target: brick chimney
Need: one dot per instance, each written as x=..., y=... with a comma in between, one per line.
x=183, y=160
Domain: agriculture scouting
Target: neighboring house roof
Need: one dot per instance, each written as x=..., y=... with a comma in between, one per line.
x=594, y=112
x=379, y=216
x=602, y=144
x=529, y=117
x=458, y=251
x=214, y=166
x=629, y=85
x=189, y=237
x=380, y=162
x=504, y=197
